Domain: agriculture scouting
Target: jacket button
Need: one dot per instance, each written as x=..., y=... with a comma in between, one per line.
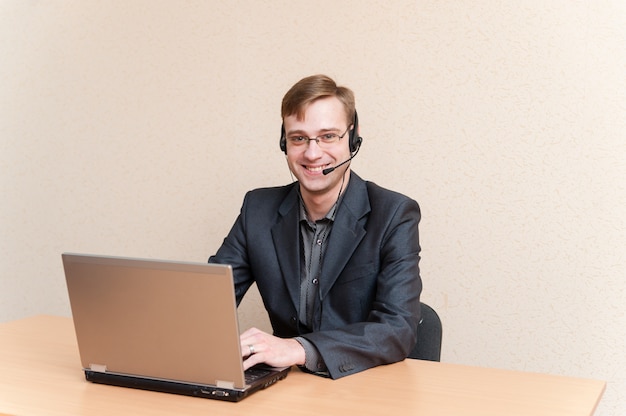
x=346, y=367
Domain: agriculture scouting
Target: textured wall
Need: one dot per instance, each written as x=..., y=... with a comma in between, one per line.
x=134, y=128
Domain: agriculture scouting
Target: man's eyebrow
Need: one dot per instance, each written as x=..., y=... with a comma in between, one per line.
x=297, y=131
x=320, y=131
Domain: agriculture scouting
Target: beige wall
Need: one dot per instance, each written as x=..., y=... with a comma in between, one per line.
x=134, y=128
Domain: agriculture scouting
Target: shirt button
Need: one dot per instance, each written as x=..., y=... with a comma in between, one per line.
x=319, y=242
x=315, y=281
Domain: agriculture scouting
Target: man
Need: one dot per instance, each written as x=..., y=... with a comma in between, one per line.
x=335, y=258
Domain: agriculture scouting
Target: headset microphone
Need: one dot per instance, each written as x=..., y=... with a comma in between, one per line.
x=329, y=170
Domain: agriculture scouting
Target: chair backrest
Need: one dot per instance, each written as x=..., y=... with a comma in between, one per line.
x=429, y=335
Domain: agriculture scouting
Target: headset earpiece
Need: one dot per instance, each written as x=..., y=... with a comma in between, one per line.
x=283, y=139
x=355, y=139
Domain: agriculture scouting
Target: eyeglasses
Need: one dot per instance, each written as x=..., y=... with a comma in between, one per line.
x=323, y=140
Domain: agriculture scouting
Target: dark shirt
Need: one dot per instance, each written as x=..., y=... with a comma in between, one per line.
x=314, y=237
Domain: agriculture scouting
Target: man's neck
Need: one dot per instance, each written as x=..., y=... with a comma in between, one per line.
x=318, y=205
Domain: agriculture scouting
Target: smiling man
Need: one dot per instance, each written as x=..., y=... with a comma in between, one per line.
x=335, y=257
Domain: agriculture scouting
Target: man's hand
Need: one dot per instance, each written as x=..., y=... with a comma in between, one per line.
x=260, y=347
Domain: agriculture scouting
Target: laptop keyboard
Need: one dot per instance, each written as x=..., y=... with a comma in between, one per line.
x=253, y=374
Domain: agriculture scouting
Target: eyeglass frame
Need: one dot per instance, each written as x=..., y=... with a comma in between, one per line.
x=317, y=138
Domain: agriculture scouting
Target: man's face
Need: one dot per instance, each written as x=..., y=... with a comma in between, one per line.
x=308, y=160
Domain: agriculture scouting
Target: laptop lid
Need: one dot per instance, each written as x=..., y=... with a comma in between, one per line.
x=158, y=320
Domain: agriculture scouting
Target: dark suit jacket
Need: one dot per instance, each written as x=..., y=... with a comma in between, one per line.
x=367, y=308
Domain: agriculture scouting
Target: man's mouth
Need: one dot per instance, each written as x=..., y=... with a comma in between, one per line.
x=315, y=169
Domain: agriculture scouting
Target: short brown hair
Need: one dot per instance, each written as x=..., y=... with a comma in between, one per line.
x=312, y=88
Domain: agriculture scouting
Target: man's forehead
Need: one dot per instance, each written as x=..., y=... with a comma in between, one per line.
x=326, y=109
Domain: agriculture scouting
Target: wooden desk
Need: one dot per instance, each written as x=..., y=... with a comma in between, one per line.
x=40, y=374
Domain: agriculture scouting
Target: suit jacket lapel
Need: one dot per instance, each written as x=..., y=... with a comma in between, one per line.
x=286, y=237
x=347, y=232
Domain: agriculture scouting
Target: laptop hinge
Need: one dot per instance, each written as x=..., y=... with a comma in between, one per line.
x=98, y=368
x=225, y=384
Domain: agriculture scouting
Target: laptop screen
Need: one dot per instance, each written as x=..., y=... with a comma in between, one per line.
x=156, y=319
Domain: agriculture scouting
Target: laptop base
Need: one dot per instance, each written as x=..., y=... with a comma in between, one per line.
x=164, y=386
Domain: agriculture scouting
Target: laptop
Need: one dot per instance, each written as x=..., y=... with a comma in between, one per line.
x=160, y=325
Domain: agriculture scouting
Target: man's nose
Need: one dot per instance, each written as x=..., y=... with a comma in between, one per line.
x=313, y=149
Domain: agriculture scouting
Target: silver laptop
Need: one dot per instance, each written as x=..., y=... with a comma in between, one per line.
x=160, y=325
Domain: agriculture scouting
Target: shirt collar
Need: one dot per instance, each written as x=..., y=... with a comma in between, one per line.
x=330, y=215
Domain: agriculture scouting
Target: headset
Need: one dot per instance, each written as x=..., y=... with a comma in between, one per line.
x=354, y=140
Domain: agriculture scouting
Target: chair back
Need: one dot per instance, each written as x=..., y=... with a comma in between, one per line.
x=429, y=336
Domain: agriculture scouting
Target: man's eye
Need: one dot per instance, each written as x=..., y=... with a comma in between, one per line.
x=298, y=139
x=329, y=136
